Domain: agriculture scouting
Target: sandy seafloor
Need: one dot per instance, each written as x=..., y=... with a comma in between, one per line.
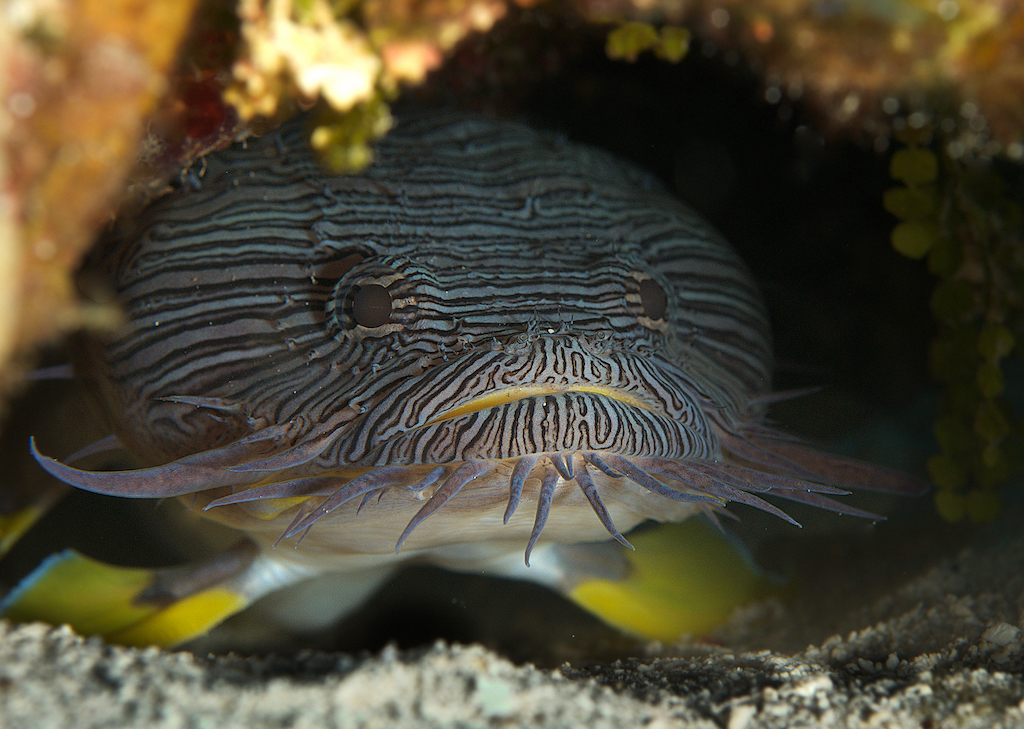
x=904, y=633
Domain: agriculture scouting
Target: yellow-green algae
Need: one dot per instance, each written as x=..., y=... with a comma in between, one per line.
x=955, y=209
x=628, y=40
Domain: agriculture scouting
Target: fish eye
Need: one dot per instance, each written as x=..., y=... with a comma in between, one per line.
x=371, y=306
x=653, y=299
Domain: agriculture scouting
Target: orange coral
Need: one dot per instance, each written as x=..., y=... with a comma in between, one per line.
x=80, y=78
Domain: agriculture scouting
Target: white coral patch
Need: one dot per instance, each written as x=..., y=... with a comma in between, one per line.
x=333, y=60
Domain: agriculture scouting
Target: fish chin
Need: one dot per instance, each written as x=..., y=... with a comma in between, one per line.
x=511, y=504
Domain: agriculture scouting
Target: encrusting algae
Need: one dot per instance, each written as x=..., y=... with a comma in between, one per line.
x=77, y=80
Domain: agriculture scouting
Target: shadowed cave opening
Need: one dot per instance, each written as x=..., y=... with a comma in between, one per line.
x=848, y=314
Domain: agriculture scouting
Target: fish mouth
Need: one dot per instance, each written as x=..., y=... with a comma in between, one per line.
x=510, y=395
x=549, y=434
x=528, y=420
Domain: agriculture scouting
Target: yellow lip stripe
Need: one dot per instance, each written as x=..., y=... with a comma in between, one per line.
x=512, y=394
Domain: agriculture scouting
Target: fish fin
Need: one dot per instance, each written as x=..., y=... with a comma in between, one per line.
x=792, y=457
x=186, y=619
x=683, y=579
x=128, y=605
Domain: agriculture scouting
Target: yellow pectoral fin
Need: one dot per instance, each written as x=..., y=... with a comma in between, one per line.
x=92, y=597
x=100, y=599
x=183, y=620
x=685, y=579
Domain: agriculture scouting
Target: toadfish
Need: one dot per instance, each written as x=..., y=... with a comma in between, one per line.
x=490, y=348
